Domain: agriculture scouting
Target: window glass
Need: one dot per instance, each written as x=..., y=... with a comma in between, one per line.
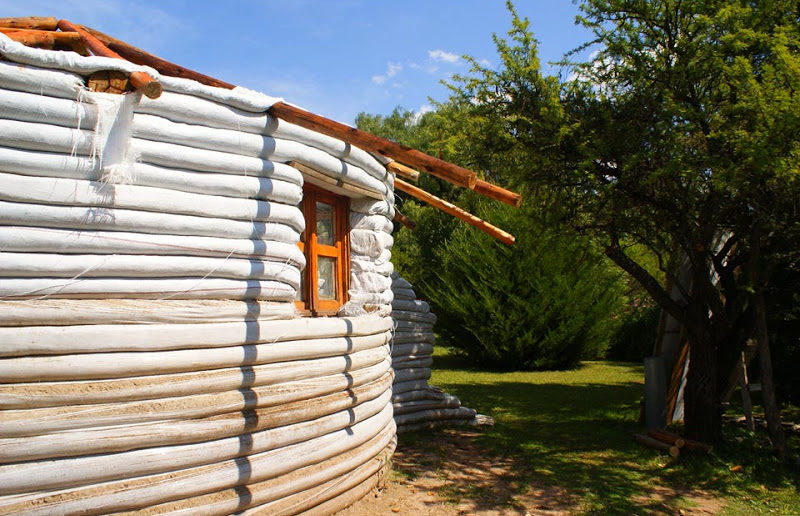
x=326, y=277
x=325, y=233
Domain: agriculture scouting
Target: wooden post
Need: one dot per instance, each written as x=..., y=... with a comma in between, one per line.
x=747, y=403
x=140, y=57
x=140, y=80
x=403, y=171
x=495, y=192
x=454, y=210
x=31, y=22
x=447, y=171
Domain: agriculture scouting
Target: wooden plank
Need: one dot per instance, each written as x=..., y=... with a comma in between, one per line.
x=30, y=22
x=402, y=219
x=454, y=210
x=140, y=80
x=403, y=171
x=442, y=169
x=319, y=176
x=140, y=57
x=496, y=192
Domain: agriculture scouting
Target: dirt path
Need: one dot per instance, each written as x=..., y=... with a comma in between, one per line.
x=445, y=474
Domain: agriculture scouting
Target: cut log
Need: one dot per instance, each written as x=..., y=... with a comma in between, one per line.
x=30, y=22
x=140, y=57
x=34, y=37
x=140, y=80
x=442, y=169
x=402, y=219
x=496, y=192
x=108, y=81
x=454, y=210
x=403, y=171
x=337, y=182
x=697, y=446
x=667, y=437
x=657, y=445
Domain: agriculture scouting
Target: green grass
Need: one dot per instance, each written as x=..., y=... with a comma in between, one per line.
x=573, y=429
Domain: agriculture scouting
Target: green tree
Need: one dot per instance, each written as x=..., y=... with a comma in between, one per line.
x=679, y=135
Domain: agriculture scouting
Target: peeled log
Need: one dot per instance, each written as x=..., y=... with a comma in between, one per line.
x=657, y=445
x=30, y=22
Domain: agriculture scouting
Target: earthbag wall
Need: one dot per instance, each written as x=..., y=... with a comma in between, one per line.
x=150, y=358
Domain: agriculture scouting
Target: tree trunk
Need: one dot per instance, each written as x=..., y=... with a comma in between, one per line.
x=701, y=408
x=771, y=411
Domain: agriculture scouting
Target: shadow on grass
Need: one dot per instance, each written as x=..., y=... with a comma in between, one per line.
x=571, y=432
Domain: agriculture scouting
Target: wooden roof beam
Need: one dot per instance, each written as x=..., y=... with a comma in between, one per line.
x=403, y=171
x=140, y=80
x=455, y=211
x=402, y=219
x=447, y=171
x=30, y=22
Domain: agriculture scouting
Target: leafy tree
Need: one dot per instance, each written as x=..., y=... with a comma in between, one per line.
x=680, y=134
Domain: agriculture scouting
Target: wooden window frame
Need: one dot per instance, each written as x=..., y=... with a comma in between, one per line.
x=312, y=249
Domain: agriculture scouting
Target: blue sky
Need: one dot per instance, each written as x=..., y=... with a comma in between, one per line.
x=333, y=57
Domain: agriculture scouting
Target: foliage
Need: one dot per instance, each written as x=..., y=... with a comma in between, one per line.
x=634, y=338
x=542, y=304
x=572, y=429
x=680, y=135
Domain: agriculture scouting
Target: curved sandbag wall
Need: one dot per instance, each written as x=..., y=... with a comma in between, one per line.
x=417, y=404
x=151, y=358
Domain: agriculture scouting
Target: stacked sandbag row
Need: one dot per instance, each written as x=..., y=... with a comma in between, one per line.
x=151, y=358
x=417, y=404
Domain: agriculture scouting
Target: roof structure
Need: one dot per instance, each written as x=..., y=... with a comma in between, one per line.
x=53, y=34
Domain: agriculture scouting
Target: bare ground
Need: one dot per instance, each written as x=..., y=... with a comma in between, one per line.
x=449, y=474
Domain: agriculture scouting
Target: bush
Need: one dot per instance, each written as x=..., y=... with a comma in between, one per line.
x=636, y=334
x=545, y=303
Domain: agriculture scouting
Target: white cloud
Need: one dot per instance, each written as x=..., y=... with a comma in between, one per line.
x=392, y=69
x=441, y=55
x=413, y=65
x=425, y=108
x=485, y=62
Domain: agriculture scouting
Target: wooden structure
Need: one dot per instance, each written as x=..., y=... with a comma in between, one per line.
x=168, y=243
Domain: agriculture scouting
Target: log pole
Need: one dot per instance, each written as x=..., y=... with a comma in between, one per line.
x=657, y=445
x=140, y=80
x=403, y=171
x=667, y=437
x=437, y=167
x=402, y=219
x=496, y=192
x=455, y=211
x=31, y=22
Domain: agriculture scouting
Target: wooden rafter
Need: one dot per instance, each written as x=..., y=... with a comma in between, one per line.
x=496, y=192
x=402, y=219
x=403, y=171
x=454, y=210
x=140, y=80
x=31, y=22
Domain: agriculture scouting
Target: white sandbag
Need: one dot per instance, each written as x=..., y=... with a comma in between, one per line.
x=192, y=110
x=398, y=282
x=412, y=362
x=224, y=502
x=401, y=326
x=408, y=407
x=48, y=164
x=50, y=340
x=202, y=160
x=157, y=129
x=429, y=393
x=71, y=312
x=74, y=192
x=127, y=364
x=416, y=317
x=372, y=222
x=47, y=421
x=416, y=348
x=359, y=265
x=45, y=137
x=406, y=375
x=145, y=491
x=173, y=288
x=239, y=97
x=50, y=394
x=437, y=414
x=46, y=240
x=43, y=265
x=369, y=282
x=112, y=219
x=227, y=185
x=370, y=298
x=410, y=306
x=414, y=337
x=40, y=81
x=373, y=207
x=405, y=294
x=415, y=384
x=29, y=107
x=220, y=443
x=369, y=243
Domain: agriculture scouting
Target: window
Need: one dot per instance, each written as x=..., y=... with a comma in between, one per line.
x=326, y=247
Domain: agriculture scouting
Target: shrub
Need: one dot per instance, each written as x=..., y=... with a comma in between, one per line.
x=544, y=303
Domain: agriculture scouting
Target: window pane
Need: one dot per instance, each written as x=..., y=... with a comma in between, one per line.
x=326, y=277
x=325, y=233
x=301, y=292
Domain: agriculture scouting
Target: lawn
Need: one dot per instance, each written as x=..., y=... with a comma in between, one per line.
x=572, y=429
